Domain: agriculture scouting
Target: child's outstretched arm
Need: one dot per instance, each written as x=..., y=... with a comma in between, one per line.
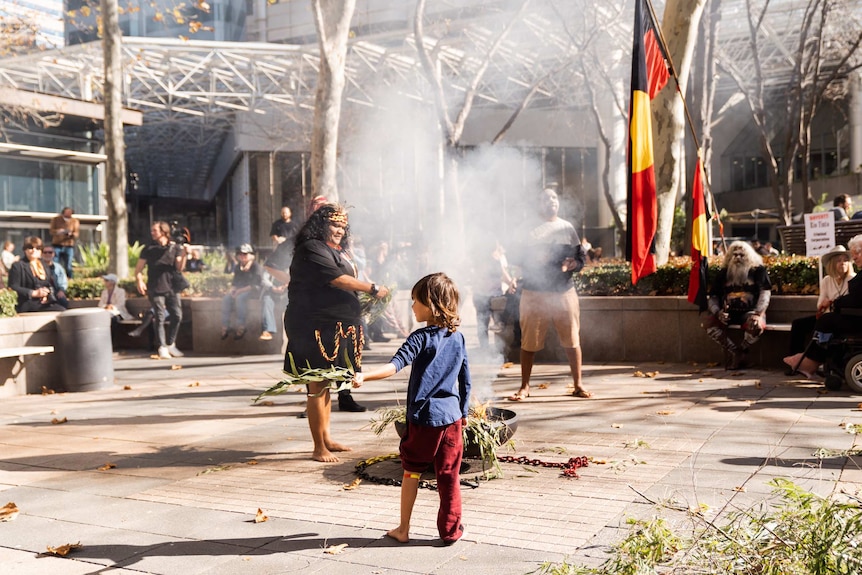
x=387, y=370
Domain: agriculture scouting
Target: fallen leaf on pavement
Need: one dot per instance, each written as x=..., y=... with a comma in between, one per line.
x=335, y=549
x=176, y=367
x=46, y=391
x=214, y=469
x=739, y=488
x=616, y=425
x=252, y=462
x=107, y=466
x=664, y=412
x=56, y=421
x=63, y=550
x=266, y=403
x=195, y=384
x=597, y=461
x=260, y=517
x=353, y=484
x=8, y=512
x=543, y=385
x=639, y=374
x=127, y=387
x=700, y=510
x=508, y=364
x=712, y=364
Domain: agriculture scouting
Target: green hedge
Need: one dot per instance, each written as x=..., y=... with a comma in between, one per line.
x=8, y=301
x=204, y=284
x=790, y=275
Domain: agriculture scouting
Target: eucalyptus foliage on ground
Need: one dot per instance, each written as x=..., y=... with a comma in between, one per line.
x=796, y=533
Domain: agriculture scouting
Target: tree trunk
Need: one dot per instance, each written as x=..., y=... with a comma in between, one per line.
x=680, y=25
x=332, y=20
x=115, y=148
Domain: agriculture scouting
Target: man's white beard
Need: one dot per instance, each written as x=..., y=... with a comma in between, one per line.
x=737, y=274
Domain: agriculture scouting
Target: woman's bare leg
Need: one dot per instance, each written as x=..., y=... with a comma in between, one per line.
x=319, y=408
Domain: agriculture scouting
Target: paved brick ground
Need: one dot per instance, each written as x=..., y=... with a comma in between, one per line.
x=195, y=458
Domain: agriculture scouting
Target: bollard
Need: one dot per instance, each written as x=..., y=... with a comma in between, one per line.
x=85, y=349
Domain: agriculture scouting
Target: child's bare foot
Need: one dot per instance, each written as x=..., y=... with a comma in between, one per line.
x=333, y=446
x=399, y=534
x=324, y=456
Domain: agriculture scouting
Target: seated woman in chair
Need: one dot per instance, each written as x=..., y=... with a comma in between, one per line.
x=837, y=273
x=844, y=319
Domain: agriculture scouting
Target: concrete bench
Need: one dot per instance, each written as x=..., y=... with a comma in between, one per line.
x=20, y=352
x=768, y=327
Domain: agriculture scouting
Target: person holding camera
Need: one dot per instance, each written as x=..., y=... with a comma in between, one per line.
x=64, y=230
x=163, y=259
x=30, y=280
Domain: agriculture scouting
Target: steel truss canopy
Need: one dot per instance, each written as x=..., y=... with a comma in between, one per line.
x=191, y=91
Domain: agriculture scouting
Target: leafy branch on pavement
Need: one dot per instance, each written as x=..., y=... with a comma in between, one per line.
x=799, y=533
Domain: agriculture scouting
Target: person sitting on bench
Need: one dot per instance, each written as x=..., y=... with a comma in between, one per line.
x=844, y=319
x=739, y=295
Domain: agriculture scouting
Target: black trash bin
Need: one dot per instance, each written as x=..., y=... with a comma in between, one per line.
x=84, y=345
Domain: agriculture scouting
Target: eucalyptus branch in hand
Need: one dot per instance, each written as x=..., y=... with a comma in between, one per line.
x=337, y=378
x=372, y=307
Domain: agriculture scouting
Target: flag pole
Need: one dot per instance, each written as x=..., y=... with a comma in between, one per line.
x=688, y=117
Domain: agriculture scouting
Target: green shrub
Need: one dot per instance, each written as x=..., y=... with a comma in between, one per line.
x=8, y=301
x=790, y=275
x=85, y=288
x=94, y=260
x=208, y=284
x=203, y=284
x=135, y=254
x=215, y=260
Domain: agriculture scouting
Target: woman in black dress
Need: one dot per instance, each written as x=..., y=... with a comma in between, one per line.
x=322, y=319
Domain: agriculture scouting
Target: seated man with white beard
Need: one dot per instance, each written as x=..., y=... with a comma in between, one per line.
x=739, y=295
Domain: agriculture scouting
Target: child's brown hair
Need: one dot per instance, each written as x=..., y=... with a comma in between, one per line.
x=439, y=293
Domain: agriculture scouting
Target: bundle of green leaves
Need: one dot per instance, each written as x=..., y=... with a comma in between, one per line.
x=338, y=378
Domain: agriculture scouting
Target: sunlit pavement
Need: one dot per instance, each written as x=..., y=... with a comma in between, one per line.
x=165, y=472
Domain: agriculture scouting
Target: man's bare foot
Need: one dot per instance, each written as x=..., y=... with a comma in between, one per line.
x=581, y=392
x=324, y=456
x=398, y=534
x=333, y=446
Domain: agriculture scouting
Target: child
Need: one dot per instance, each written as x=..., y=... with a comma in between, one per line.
x=438, y=396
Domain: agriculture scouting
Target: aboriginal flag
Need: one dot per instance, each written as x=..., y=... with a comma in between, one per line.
x=697, y=281
x=649, y=76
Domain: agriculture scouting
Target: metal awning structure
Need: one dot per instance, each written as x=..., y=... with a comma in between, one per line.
x=190, y=91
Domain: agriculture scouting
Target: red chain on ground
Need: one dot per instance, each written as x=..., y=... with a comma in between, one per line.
x=569, y=468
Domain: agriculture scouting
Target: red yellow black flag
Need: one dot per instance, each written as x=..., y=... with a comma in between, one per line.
x=697, y=280
x=649, y=76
